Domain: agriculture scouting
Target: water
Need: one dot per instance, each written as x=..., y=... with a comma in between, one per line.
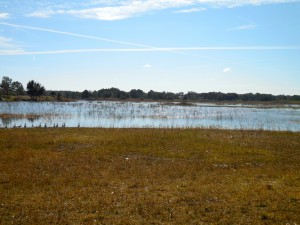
x=148, y=114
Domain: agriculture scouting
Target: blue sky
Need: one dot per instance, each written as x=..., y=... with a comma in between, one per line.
x=164, y=45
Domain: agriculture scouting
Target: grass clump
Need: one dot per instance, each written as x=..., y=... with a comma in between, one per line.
x=149, y=176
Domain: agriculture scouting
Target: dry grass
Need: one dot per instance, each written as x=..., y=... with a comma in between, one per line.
x=149, y=176
x=19, y=116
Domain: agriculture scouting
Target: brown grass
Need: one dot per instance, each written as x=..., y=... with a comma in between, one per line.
x=27, y=116
x=19, y=116
x=149, y=176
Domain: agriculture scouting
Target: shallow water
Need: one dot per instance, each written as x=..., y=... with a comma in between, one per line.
x=149, y=114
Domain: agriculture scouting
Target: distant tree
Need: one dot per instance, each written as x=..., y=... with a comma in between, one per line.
x=191, y=95
x=94, y=94
x=67, y=94
x=123, y=95
x=34, y=90
x=137, y=93
x=152, y=95
x=232, y=96
x=264, y=97
x=247, y=97
x=17, y=88
x=109, y=93
x=75, y=94
x=58, y=96
x=52, y=94
x=115, y=92
x=295, y=98
x=6, y=85
x=103, y=93
x=85, y=94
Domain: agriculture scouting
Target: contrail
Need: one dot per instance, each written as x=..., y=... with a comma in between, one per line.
x=94, y=38
x=75, y=35
x=237, y=48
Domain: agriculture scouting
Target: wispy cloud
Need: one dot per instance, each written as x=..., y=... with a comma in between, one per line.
x=8, y=43
x=244, y=27
x=74, y=35
x=4, y=15
x=147, y=66
x=95, y=38
x=9, y=46
x=191, y=10
x=41, y=14
x=128, y=9
x=120, y=50
x=227, y=70
x=122, y=9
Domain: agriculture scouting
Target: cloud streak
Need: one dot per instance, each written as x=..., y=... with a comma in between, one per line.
x=192, y=10
x=8, y=45
x=118, y=10
x=94, y=38
x=227, y=70
x=4, y=15
x=74, y=35
x=6, y=42
x=243, y=27
x=120, y=50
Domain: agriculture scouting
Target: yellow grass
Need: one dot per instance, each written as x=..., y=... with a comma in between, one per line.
x=149, y=176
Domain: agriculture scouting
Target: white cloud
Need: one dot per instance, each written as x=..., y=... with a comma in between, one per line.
x=19, y=51
x=6, y=42
x=41, y=14
x=191, y=10
x=15, y=50
x=227, y=70
x=147, y=66
x=4, y=15
x=8, y=46
x=126, y=10
x=243, y=27
x=122, y=9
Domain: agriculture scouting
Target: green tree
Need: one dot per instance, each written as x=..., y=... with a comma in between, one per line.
x=85, y=94
x=52, y=94
x=17, y=88
x=34, y=90
x=137, y=93
x=6, y=85
x=58, y=96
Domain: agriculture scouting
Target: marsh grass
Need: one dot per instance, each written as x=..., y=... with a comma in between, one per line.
x=26, y=116
x=149, y=176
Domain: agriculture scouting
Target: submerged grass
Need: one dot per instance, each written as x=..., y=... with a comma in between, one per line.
x=149, y=176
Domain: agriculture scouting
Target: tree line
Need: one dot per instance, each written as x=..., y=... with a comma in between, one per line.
x=115, y=93
x=8, y=88
x=35, y=90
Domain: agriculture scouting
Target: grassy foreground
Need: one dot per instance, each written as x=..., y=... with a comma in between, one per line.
x=149, y=176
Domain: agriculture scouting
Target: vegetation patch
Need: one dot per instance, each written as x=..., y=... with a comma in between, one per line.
x=149, y=176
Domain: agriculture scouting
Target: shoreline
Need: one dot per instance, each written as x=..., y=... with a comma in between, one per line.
x=180, y=101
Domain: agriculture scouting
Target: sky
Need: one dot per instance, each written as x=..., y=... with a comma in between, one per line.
x=237, y=46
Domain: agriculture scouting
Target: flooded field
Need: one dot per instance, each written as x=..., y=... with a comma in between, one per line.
x=148, y=114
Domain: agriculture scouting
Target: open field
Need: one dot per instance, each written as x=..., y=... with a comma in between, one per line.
x=149, y=176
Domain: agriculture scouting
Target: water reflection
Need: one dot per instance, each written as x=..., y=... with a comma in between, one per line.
x=148, y=114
